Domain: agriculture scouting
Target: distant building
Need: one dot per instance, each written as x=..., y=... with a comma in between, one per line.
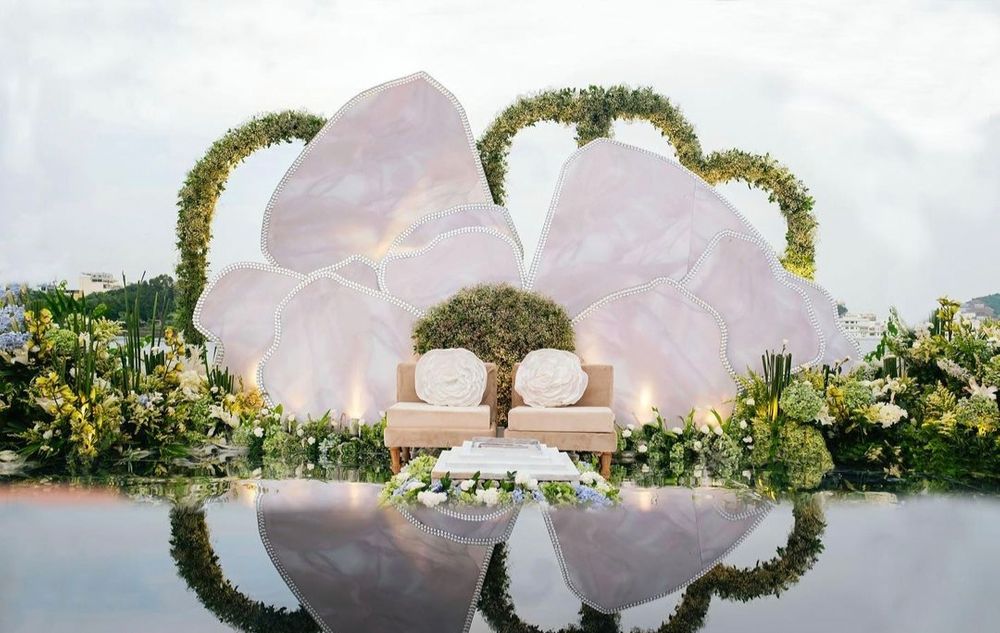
x=865, y=328
x=91, y=283
x=977, y=311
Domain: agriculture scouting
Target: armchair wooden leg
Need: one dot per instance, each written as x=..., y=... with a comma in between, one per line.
x=396, y=463
x=605, y=465
x=406, y=454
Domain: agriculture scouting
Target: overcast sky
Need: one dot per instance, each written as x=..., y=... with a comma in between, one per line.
x=889, y=111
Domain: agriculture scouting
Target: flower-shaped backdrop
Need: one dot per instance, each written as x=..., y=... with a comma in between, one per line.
x=387, y=212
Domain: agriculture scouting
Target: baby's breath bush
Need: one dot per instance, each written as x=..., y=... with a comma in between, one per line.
x=800, y=401
x=500, y=324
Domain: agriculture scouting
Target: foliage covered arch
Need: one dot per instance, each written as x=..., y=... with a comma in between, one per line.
x=592, y=110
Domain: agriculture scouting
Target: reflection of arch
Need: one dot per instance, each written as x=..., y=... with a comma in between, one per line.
x=198, y=565
x=766, y=578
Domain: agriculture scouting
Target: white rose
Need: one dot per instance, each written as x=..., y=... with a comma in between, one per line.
x=300, y=431
x=889, y=414
x=311, y=440
x=626, y=433
x=431, y=499
x=630, y=427
x=414, y=485
x=467, y=485
x=717, y=429
x=748, y=439
x=704, y=429
x=677, y=430
x=697, y=445
x=747, y=474
x=258, y=431
x=450, y=378
x=550, y=378
x=523, y=479
x=750, y=402
x=642, y=448
x=743, y=424
x=310, y=466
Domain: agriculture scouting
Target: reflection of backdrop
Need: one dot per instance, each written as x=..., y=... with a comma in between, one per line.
x=388, y=211
x=199, y=566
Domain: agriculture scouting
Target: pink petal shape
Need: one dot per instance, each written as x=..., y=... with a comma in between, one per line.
x=336, y=348
x=620, y=217
x=741, y=278
x=391, y=155
x=236, y=311
x=839, y=345
x=450, y=262
x=422, y=232
x=667, y=348
x=655, y=543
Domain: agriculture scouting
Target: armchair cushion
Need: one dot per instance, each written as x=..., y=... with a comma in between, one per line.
x=562, y=419
x=419, y=415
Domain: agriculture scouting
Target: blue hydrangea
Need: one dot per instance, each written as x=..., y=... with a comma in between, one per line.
x=11, y=341
x=437, y=487
x=11, y=318
x=539, y=496
x=592, y=496
x=518, y=495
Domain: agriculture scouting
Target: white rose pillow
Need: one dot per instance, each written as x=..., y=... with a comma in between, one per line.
x=550, y=378
x=450, y=378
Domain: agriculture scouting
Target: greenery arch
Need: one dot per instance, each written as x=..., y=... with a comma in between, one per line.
x=592, y=110
x=198, y=565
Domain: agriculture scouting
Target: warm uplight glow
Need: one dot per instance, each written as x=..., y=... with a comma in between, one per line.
x=645, y=500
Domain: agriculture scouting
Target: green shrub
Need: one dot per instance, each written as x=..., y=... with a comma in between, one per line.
x=800, y=401
x=500, y=324
x=803, y=453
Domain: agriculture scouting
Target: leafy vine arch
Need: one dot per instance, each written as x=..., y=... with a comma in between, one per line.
x=592, y=110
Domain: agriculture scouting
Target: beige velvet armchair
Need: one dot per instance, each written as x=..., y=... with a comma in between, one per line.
x=587, y=426
x=412, y=423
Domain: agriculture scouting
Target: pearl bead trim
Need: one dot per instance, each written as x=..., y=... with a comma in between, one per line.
x=430, y=217
x=278, y=313
x=266, y=540
x=371, y=92
x=445, y=236
x=564, y=569
x=833, y=309
x=777, y=271
x=636, y=290
x=465, y=540
x=219, y=357
x=540, y=249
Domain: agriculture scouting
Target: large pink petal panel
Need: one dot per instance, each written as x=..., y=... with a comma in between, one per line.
x=391, y=155
x=337, y=349
x=742, y=280
x=452, y=261
x=236, y=311
x=667, y=350
x=622, y=216
x=839, y=346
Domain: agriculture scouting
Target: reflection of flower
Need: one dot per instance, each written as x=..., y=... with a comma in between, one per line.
x=431, y=499
x=488, y=496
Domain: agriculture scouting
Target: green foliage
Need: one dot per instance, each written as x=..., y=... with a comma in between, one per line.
x=204, y=184
x=801, y=402
x=198, y=564
x=803, y=455
x=499, y=324
x=146, y=299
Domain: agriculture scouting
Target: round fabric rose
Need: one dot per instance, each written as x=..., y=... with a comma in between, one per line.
x=450, y=378
x=550, y=378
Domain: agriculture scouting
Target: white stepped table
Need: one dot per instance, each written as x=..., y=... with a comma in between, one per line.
x=493, y=458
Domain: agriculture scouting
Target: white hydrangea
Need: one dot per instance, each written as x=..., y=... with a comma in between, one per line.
x=590, y=477
x=889, y=414
x=431, y=499
x=488, y=496
x=524, y=479
x=467, y=485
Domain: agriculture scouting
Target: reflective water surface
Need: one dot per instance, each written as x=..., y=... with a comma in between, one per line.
x=299, y=555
